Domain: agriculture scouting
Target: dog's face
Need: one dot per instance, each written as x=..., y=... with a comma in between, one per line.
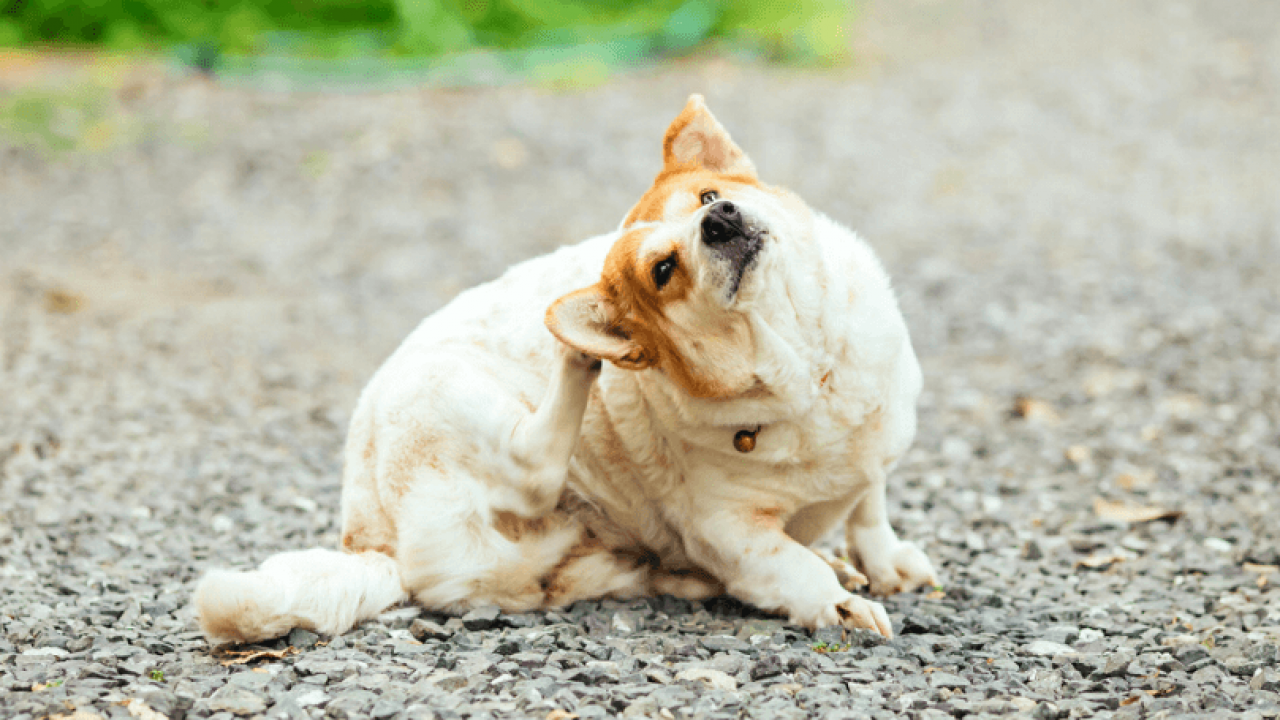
x=693, y=254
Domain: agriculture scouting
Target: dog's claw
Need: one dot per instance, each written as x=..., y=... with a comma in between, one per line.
x=848, y=575
x=859, y=612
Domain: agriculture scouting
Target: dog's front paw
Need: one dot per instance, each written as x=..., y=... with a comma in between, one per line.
x=851, y=612
x=906, y=568
x=580, y=360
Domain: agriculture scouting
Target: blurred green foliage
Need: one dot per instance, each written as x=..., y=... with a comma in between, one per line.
x=205, y=30
x=75, y=117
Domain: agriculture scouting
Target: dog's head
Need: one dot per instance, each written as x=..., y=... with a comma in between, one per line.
x=692, y=257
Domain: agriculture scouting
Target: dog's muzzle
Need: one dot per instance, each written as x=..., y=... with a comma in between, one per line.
x=732, y=239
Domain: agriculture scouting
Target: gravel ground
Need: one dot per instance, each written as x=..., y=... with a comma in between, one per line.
x=1079, y=205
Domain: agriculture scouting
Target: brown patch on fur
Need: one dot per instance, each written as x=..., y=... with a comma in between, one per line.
x=413, y=451
x=692, y=583
x=767, y=517
x=357, y=542
x=825, y=378
x=556, y=583
x=513, y=527
x=692, y=182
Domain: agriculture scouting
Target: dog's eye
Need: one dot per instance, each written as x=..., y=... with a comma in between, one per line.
x=662, y=270
x=709, y=196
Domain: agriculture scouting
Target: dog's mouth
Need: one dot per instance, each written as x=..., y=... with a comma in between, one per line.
x=734, y=240
x=743, y=258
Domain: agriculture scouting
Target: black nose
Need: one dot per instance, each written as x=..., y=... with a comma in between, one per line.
x=722, y=223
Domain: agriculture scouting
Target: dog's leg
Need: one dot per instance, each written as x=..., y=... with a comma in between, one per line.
x=746, y=546
x=543, y=441
x=892, y=565
x=814, y=522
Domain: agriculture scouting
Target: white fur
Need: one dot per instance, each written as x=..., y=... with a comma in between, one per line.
x=320, y=590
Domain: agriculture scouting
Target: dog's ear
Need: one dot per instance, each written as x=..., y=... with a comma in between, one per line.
x=695, y=138
x=586, y=321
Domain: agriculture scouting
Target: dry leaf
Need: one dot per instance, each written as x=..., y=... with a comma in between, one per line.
x=77, y=715
x=1132, y=513
x=240, y=657
x=936, y=595
x=561, y=715
x=1130, y=700
x=1034, y=410
x=1260, y=569
x=63, y=302
x=1261, y=582
x=1099, y=562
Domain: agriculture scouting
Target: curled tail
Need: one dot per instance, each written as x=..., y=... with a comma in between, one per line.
x=322, y=590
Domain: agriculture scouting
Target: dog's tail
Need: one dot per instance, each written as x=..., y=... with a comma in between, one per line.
x=322, y=590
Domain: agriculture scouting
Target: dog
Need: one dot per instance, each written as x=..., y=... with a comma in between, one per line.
x=727, y=380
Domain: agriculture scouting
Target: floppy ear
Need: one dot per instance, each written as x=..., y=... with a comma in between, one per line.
x=585, y=321
x=696, y=138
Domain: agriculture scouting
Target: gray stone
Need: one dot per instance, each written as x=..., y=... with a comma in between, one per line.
x=947, y=680
x=759, y=627
x=1265, y=679
x=350, y=705
x=424, y=629
x=1047, y=648
x=302, y=639
x=767, y=666
x=237, y=700
x=1241, y=666
x=723, y=643
x=713, y=679
x=1117, y=665
x=482, y=618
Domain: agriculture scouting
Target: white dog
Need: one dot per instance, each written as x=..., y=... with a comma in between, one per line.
x=759, y=384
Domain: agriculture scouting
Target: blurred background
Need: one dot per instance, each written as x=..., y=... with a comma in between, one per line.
x=468, y=41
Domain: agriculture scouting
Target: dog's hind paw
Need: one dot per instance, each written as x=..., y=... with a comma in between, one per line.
x=908, y=569
x=849, y=576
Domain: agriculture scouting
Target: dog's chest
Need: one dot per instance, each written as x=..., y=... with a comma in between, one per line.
x=817, y=454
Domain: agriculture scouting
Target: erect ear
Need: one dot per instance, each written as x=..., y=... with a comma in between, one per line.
x=696, y=138
x=586, y=321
